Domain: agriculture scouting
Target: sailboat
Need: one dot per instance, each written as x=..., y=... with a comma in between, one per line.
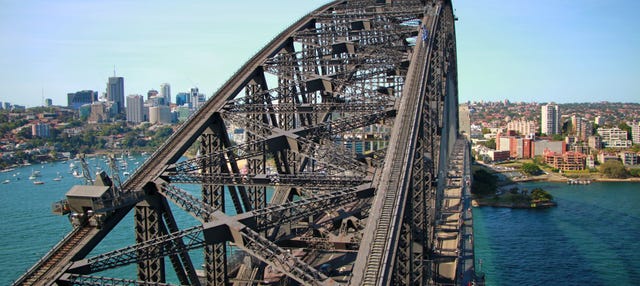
x=58, y=177
x=34, y=174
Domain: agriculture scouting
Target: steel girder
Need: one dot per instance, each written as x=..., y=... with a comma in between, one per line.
x=248, y=225
x=148, y=227
x=213, y=198
x=303, y=180
x=340, y=69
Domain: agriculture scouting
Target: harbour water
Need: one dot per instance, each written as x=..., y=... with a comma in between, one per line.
x=591, y=238
x=29, y=229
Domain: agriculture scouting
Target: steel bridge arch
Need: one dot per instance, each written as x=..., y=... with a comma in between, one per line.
x=373, y=73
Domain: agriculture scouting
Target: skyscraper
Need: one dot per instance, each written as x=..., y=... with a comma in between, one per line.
x=550, y=121
x=182, y=98
x=151, y=93
x=165, y=91
x=77, y=99
x=135, y=107
x=193, y=98
x=635, y=132
x=115, y=93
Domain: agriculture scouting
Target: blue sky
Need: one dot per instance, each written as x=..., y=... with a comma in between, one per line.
x=542, y=50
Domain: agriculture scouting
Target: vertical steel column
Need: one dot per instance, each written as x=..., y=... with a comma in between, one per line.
x=254, y=93
x=287, y=95
x=148, y=226
x=215, y=255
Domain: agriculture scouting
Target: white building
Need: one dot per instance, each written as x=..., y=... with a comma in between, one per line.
x=159, y=114
x=523, y=127
x=629, y=158
x=635, y=132
x=599, y=120
x=550, y=119
x=614, y=137
x=165, y=91
x=41, y=130
x=135, y=108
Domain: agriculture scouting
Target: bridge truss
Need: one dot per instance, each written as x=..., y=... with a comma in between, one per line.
x=350, y=115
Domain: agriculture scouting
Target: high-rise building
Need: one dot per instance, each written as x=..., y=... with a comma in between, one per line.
x=115, y=93
x=599, y=120
x=151, y=93
x=156, y=101
x=40, y=130
x=165, y=91
x=100, y=112
x=48, y=102
x=635, y=132
x=159, y=114
x=465, y=120
x=581, y=127
x=550, y=121
x=182, y=98
x=80, y=98
x=135, y=106
x=193, y=98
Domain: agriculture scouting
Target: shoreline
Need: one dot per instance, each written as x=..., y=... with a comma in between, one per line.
x=539, y=205
x=557, y=179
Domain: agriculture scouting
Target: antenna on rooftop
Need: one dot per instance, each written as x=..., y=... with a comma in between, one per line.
x=114, y=70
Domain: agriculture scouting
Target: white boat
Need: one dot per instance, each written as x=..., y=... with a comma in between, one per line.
x=6, y=181
x=126, y=174
x=34, y=175
x=77, y=174
x=58, y=177
x=72, y=165
x=38, y=182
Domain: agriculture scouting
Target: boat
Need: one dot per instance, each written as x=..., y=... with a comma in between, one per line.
x=126, y=174
x=77, y=174
x=72, y=165
x=34, y=174
x=6, y=181
x=58, y=177
x=38, y=182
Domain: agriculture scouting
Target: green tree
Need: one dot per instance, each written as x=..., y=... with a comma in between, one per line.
x=484, y=183
x=538, y=160
x=614, y=169
x=491, y=143
x=531, y=169
x=540, y=195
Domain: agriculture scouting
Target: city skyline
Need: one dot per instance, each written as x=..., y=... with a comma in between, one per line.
x=539, y=51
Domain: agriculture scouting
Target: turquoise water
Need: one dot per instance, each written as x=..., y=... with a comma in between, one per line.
x=591, y=238
x=29, y=229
